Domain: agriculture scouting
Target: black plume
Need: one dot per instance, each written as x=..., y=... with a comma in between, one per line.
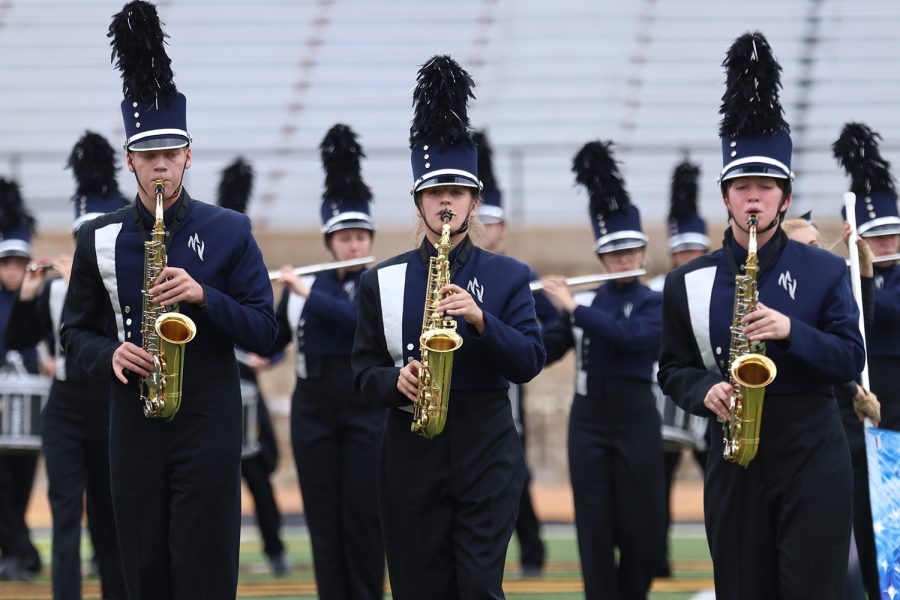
x=597, y=170
x=443, y=89
x=485, y=160
x=235, y=185
x=857, y=151
x=93, y=162
x=139, y=42
x=340, y=160
x=750, y=105
x=683, y=202
x=12, y=209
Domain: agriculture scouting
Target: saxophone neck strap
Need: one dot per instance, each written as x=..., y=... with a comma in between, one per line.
x=458, y=256
x=180, y=210
x=772, y=249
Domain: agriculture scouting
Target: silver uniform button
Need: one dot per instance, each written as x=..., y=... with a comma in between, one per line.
x=410, y=347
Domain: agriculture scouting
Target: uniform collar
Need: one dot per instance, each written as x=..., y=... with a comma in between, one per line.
x=173, y=214
x=625, y=288
x=737, y=256
x=458, y=255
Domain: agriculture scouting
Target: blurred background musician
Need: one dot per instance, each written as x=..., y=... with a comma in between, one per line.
x=878, y=225
x=235, y=186
x=532, y=552
x=615, y=445
x=19, y=559
x=334, y=434
x=75, y=422
x=680, y=430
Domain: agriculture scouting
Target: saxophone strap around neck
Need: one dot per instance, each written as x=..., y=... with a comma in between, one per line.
x=773, y=249
x=181, y=209
x=459, y=255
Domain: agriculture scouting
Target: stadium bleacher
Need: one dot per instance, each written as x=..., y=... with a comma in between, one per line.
x=267, y=80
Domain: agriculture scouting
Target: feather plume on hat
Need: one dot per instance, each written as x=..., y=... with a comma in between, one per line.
x=341, y=154
x=440, y=103
x=683, y=200
x=93, y=163
x=139, y=43
x=750, y=104
x=597, y=170
x=857, y=152
x=13, y=214
x=235, y=185
x=485, y=160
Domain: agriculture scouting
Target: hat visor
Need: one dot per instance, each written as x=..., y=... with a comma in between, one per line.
x=620, y=244
x=162, y=142
x=446, y=179
x=349, y=224
x=880, y=230
x=755, y=170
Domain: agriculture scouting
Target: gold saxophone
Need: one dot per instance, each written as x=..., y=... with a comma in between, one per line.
x=436, y=344
x=750, y=370
x=163, y=334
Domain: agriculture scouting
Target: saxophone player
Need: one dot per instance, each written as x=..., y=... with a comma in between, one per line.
x=448, y=504
x=778, y=527
x=175, y=483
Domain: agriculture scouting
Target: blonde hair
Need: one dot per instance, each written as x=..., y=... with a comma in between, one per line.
x=792, y=225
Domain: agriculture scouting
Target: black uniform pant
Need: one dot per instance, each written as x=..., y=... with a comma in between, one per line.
x=528, y=527
x=177, y=495
x=616, y=467
x=75, y=441
x=335, y=438
x=780, y=528
x=448, y=505
x=16, y=479
x=671, y=459
x=256, y=470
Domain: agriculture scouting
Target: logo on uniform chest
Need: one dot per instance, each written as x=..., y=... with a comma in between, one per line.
x=476, y=289
x=196, y=244
x=789, y=284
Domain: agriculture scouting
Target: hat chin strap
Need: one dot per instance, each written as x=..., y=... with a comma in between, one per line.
x=462, y=228
x=775, y=222
x=175, y=193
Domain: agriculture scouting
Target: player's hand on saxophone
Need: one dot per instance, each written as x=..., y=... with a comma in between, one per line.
x=174, y=285
x=408, y=380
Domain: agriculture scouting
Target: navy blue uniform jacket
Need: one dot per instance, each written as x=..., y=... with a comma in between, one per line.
x=215, y=246
x=391, y=306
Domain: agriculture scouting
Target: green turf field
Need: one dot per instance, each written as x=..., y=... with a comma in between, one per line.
x=562, y=579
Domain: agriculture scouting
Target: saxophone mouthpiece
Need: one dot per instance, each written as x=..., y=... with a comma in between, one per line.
x=446, y=215
x=159, y=186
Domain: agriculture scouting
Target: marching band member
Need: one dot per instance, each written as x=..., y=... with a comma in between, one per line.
x=175, y=480
x=75, y=421
x=878, y=225
x=687, y=241
x=615, y=447
x=334, y=434
x=234, y=193
x=779, y=526
x=19, y=559
x=493, y=219
x=448, y=504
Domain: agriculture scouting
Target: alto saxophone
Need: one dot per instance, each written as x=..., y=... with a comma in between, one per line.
x=163, y=334
x=750, y=370
x=436, y=344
